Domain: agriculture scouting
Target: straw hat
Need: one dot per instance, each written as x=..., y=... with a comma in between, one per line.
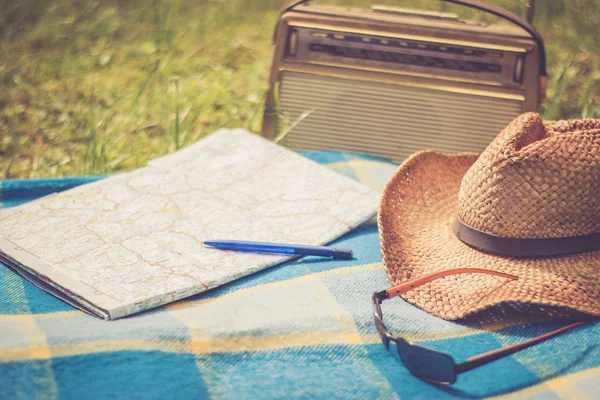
x=529, y=206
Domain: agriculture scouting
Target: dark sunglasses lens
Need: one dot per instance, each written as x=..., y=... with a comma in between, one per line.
x=426, y=363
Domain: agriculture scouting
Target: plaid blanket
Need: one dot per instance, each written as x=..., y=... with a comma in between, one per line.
x=303, y=329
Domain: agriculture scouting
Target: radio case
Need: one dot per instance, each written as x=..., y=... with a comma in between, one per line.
x=391, y=82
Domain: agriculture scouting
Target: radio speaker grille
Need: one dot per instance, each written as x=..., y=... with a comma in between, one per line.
x=389, y=120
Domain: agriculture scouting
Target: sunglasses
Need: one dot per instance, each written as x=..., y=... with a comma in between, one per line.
x=434, y=366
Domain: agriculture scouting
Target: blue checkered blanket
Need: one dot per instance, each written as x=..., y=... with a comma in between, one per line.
x=303, y=329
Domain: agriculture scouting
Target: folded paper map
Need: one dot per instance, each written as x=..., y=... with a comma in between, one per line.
x=133, y=241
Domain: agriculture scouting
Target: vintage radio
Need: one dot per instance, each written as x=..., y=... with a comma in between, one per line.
x=390, y=81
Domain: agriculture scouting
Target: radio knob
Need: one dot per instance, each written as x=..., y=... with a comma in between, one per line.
x=518, y=76
x=292, y=49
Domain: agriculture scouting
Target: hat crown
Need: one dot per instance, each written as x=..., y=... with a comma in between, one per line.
x=536, y=180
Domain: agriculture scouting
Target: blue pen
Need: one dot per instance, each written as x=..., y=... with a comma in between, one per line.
x=276, y=248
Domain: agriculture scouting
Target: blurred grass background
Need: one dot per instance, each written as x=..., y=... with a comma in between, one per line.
x=95, y=87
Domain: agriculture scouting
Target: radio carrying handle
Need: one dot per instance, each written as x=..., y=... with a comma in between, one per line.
x=490, y=9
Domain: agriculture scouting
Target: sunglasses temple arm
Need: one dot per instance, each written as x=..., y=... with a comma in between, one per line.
x=415, y=283
x=485, y=358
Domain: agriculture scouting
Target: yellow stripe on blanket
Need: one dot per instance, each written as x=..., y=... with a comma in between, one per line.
x=209, y=329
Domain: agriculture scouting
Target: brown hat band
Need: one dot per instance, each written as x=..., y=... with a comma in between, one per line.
x=522, y=247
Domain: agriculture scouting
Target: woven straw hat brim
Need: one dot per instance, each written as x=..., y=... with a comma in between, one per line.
x=416, y=210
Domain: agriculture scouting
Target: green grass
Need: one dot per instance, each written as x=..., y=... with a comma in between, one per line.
x=95, y=87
